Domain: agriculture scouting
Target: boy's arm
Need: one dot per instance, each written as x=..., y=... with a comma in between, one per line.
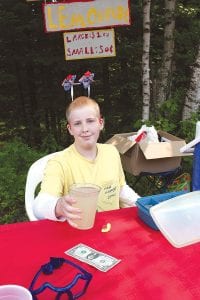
x=44, y=207
x=127, y=196
x=51, y=190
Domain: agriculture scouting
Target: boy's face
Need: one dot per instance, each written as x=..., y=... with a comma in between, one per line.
x=85, y=125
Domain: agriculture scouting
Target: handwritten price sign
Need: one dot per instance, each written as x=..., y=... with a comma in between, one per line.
x=89, y=44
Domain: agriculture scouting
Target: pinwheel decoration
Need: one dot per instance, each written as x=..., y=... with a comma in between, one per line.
x=68, y=84
x=86, y=80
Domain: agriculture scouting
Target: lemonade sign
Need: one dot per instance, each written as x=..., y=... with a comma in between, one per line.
x=89, y=14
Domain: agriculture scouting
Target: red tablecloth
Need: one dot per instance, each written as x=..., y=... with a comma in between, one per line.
x=150, y=267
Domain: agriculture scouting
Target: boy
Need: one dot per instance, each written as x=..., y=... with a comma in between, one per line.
x=85, y=161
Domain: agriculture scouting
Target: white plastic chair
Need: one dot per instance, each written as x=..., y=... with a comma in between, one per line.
x=34, y=177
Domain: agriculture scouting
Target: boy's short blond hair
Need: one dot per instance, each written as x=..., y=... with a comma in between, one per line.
x=80, y=102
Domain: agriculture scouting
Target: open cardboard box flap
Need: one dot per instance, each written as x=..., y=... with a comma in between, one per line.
x=152, y=158
x=121, y=142
x=169, y=148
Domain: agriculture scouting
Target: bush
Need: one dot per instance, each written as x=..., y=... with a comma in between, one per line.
x=15, y=160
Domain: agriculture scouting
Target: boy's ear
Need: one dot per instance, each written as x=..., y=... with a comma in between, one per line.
x=101, y=121
x=69, y=128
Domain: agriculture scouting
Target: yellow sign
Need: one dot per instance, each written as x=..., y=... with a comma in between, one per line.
x=81, y=15
x=89, y=44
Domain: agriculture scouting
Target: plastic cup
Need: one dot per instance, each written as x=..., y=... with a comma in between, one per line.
x=14, y=292
x=86, y=196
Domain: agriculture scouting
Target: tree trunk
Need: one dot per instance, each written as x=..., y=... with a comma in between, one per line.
x=145, y=60
x=163, y=85
x=192, y=99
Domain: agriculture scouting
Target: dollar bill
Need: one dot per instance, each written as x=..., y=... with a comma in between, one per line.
x=97, y=259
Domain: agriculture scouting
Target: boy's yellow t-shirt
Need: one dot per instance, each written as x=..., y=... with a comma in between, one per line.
x=69, y=167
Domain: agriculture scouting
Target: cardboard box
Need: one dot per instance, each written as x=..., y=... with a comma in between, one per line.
x=149, y=157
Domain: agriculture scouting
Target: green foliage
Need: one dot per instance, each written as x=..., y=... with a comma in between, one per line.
x=50, y=144
x=188, y=127
x=166, y=114
x=15, y=160
x=187, y=132
x=166, y=118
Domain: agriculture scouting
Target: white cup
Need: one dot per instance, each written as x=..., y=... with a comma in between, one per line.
x=14, y=292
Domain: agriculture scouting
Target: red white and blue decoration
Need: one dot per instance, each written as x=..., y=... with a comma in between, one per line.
x=86, y=80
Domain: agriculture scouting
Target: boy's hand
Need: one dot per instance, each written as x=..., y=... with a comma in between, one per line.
x=65, y=209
